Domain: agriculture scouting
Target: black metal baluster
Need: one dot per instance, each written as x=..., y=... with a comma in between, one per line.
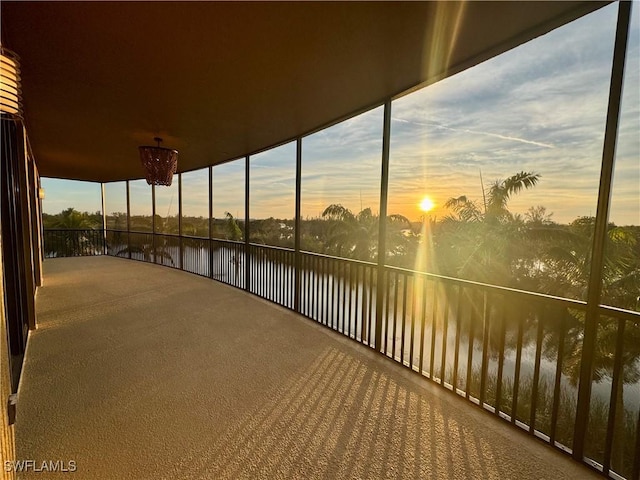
x=415, y=277
x=423, y=321
x=456, y=353
x=387, y=277
x=536, y=376
x=445, y=328
x=370, y=309
x=486, y=328
x=355, y=297
x=331, y=297
x=472, y=318
x=343, y=295
x=616, y=389
x=395, y=315
x=350, y=302
x=404, y=317
x=556, y=383
x=434, y=326
x=503, y=333
x=308, y=272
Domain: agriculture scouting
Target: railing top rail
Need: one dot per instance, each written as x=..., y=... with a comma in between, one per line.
x=195, y=237
x=222, y=240
x=341, y=259
x=272, y=247
x=88, y=229
x=617, y=312
x=579, y=304
x=192, y=237
x=167, y=234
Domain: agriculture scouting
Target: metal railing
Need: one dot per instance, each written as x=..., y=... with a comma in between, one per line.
x=339, y=294
x=73, y=242
x=513, y=353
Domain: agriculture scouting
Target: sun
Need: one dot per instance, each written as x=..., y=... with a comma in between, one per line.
x=427, y=204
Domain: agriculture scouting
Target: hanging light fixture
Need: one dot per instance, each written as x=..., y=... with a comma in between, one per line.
x=10, y=94
x=159, y=163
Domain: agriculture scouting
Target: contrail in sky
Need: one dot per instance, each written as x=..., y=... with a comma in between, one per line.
x=464, y=130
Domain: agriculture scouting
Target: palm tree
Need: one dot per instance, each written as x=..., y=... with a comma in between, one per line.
x=496, y=200
x=71, y=219
x=75, y=240
x=353, y=236
x=538, y=216
x=466, y=210
x=483, y=242
x=502, y=190
x=356, y=236
x=232, y=228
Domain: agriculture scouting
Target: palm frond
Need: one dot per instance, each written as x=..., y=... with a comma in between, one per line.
x=501, y=191
x=398, y=219
x=336, y=211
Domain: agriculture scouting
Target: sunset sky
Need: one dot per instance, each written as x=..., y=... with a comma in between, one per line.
x=540, y=107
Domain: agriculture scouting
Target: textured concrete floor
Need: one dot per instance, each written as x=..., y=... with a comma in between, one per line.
x=142, y=372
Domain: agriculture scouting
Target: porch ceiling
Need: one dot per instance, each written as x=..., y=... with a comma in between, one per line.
x=221, y=80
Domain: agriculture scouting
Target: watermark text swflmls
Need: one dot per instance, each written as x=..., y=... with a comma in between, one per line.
x=68, y=466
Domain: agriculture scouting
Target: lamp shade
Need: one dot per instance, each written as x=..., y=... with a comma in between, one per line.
x=159, y=163
x=10, y=92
